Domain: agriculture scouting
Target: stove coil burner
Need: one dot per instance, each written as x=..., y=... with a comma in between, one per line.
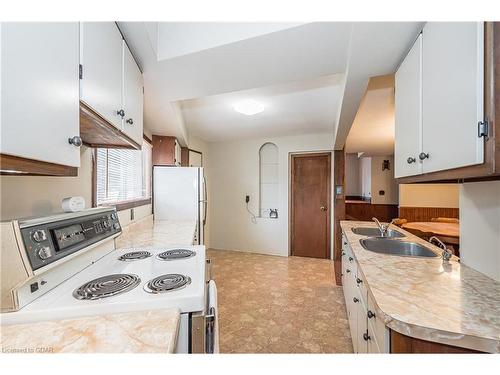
x=135, y=255
x=107, y=286
x=176, y=254
x=167, y=283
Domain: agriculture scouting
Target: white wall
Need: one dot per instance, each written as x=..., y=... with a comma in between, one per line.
x=383, y=180
x=365, y=176
x=480, y=227
x=26, y=196
x=233, y=173
x=429, y=195
x=352, y=175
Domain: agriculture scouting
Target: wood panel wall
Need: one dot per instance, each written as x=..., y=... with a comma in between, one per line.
x=366, y=211
x=426, y=213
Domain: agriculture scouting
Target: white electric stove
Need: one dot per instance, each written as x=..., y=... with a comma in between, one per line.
x=108, y=280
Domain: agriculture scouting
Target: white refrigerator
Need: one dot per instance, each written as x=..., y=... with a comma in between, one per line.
x=180, y=194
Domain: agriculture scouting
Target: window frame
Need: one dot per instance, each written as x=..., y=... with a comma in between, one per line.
x=121, y=205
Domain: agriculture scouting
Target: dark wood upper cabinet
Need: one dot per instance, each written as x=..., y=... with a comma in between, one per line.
x=166, y=151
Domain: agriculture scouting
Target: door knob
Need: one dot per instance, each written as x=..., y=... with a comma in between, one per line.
x=423, y=156
x=75, y=141
x=323, y=208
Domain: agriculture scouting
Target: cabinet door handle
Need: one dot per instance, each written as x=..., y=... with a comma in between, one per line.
x=423, y=156
x=370, y=314
x=75, y=141
x=130, y=121
x=343, y=253
x=355, y=300
x=120, y=113
x=348, y=270
x=366, y=337
x=358, y=280
x=350, y=259
x=411, y=160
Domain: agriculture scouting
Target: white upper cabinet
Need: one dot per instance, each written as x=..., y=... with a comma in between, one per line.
x=132, y=97
x=101, y=59
x=453, y=65
x=408, y=113
x=439, y=100
x=40, y=91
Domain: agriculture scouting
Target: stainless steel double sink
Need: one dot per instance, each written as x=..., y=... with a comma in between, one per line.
x=390, y=244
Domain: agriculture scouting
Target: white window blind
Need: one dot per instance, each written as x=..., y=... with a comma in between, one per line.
x=123, y=175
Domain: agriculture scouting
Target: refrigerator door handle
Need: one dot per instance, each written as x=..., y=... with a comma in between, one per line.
x=205, y=200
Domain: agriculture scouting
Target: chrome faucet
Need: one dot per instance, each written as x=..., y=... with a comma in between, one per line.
x=383, y=228
x=447, y=253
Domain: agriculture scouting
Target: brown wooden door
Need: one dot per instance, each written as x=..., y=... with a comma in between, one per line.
x=310, y=205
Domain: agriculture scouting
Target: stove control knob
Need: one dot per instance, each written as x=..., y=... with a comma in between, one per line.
x=113, y=216
x=44, y=253
x=39, y=235
x=116, y=226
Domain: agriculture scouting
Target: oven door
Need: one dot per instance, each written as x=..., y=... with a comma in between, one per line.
x=205, y=327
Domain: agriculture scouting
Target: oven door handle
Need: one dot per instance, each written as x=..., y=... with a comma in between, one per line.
x=210, y=331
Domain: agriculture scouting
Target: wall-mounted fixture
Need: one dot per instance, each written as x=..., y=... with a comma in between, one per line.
x=386, y=164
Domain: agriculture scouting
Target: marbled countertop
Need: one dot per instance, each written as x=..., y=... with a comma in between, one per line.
x=153, y=331
x=427, y=299
x=146, y=232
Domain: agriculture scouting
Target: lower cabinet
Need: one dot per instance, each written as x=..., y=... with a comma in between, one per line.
x=368, y=332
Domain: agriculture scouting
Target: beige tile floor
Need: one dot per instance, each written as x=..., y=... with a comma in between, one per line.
x=270, y=304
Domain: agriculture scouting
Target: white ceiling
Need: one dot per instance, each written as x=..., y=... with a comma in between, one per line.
x=174, y=39
x=297, y=54
x=295, y=108
x=372, y=131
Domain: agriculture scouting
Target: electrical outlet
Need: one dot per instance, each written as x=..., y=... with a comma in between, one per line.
x=247, y=198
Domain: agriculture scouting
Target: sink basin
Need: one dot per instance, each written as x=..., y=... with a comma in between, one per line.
x=396, y=247
x=375, y=232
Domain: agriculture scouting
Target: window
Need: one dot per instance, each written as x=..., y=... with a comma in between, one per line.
x=268, y=162
x=123, y=175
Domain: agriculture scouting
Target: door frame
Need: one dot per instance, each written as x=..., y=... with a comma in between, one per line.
x=291, y=171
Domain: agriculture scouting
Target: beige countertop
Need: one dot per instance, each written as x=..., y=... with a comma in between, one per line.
x=146, y=232
x=153, y=331
x=427, y=299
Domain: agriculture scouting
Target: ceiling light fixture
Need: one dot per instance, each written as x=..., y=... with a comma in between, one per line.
x=249, y=107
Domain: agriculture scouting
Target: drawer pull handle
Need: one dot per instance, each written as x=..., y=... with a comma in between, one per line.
x=366, y=337
x=358, y=280
x=370, y=314
x=355, y=300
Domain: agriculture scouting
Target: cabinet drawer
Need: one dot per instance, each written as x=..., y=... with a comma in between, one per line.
x=378, y=330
